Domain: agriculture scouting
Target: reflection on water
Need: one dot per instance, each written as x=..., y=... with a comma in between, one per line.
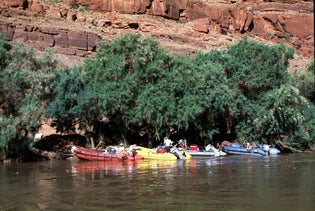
x=107, y=168
x=283, y=182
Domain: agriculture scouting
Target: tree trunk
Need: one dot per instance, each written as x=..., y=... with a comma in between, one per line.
x=89, y=133
x=228, y=120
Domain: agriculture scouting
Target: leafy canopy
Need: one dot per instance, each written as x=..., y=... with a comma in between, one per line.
x=22, y=94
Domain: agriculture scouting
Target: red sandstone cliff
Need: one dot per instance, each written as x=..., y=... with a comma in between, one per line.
x=73, y=27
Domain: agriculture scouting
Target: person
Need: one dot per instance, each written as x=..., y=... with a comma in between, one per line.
x=121, y=147
x=182, y=143
x=248, y=146
x=209, y=147
x=121, y=152
x=161, y=146
x=168, y=143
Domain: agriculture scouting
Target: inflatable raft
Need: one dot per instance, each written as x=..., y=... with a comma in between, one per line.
x=98, y=155
x=157, y=154
x=210, y=151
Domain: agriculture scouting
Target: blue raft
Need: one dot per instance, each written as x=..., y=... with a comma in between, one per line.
x=237, y=149
x=242, y=150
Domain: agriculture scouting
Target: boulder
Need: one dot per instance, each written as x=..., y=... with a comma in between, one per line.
x=92, y=40
x=62, y=39
x=166, y=8
x=300, y=25
x=14, y=3
x=201, y=28
x=20, y=34
x=131, y=6
x=78, y=40
x=7, y=30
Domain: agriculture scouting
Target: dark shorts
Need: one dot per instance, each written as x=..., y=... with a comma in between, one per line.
x=168, y=149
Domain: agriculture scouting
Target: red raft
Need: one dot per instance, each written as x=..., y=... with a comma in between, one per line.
x=97, y=155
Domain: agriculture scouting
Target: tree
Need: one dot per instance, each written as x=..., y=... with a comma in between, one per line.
x=8, y=132
x=216, y=95
x=257, y=68
x=120, y=72
x=106, y=76
x=304, y=80
x=4, y=49
x=73, y=106
x=22, y=88
x=65, y=109
x=168, y=101
x=285, y=116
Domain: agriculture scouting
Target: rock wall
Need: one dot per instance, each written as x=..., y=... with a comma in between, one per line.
x=288, y=21
x=67, y=42
x=278, y=20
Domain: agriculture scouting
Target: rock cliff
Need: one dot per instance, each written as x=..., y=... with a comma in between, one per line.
x=73, y=27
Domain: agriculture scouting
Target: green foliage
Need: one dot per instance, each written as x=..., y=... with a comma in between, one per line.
x=305, y=83
x=284, y=115
x=137, y=82
x=257, y=68
x=134, y=88
x=311, y=67
x=304, y=80
x=65, y=108
x=120, y=71
x=251, y=69
x=106, y=74
x=169, y=99
x=214, y=92
x=260, y=71
x=8, y=131
x=22, y=93
x=83, y=9
x=4, y=48
x=30, y=112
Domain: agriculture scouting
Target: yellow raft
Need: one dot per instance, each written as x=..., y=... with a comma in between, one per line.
x=148, y=153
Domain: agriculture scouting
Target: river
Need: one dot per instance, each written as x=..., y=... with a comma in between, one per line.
x=285, y=182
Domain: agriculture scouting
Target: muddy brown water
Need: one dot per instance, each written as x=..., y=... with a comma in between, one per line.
x=285, y=182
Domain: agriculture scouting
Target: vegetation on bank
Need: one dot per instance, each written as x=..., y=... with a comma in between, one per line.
x=136, y=92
